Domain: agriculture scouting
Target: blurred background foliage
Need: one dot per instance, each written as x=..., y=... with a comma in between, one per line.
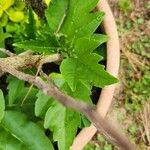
x=131, y=107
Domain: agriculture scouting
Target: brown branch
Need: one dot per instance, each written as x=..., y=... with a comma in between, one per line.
x=10, y=65
x=1, y=73
x=113, y=59
x=24, y=61
x=7, y=52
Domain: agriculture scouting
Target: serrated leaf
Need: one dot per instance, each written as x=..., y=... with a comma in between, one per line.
x=89, y=43
x=82, y=92
x=63, y=122
x=56, y=13
x=43, y=101
x=37, y=46
x=95, y=20
x=85, y=68
x=27, y=132
x=30, y=27
x=80, y=21
x=8, y=142
x=14, y=85
x=2, y=105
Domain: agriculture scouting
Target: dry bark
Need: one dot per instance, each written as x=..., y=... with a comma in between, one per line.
x=14, y=65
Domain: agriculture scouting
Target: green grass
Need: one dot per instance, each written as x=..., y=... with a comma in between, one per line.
x=134, y=94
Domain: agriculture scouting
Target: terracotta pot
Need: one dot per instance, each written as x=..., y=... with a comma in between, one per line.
x=113, y=60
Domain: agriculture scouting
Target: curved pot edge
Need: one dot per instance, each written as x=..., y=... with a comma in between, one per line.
x=113, y=61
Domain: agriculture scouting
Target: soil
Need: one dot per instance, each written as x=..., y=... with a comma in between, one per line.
x=127, y=120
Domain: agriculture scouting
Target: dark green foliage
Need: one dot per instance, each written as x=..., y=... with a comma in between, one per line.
x=27, y=132
x=8, y=141
x=125, y=5
x=140, y=92
x=69, y=30
x=37, y=46
x=55, y=14
x=31, y=26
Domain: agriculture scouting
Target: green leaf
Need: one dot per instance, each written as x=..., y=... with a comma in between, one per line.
x=27, y=132
x=89, y=146
x=2, y=105
x=80, y=21
x=84, y=122
x=29, y=103
x=82, y=92
x=56, y=13
x=30, y=28
x=43, y=101
x=64, y=123
x=108, y=147
x=42, y=104
x=14, y=85
x=3, y=36
x=37, y=46
x=85, y=68
x=1, y=39
x=79, y=27
x=89, y=43
x=9, y=142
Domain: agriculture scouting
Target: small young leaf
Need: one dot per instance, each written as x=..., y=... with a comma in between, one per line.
x=85, y=68
x=2, y=105
x=27, y=132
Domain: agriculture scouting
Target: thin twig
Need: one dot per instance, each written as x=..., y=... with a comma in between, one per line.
x=89, y=111
x=44, y=60
x=27, y=94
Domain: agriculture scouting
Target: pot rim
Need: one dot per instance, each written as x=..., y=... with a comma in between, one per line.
x=113, y=62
